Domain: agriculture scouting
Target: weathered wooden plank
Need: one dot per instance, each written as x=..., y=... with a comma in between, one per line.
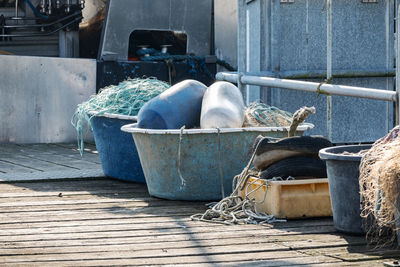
x=66, y=161
x=51, y=149
x=148, y=258
x=136, y=231
x=59, y=220
x=240, y=237
x=355, y=253
x=7, y=167
x=55, y=201
x=125, y=192
x=34, y=162
x=215, y=246
x=104, y=204
x=292, y=261
x=72, y=151
x=116, y=225
x=51, y=175
x=72, y=246
x=89, y=147
x=301, y=261
x=70, y=185
x=372, y=263
x=137, y=212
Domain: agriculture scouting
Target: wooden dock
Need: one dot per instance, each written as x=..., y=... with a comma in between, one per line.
x=106, y=222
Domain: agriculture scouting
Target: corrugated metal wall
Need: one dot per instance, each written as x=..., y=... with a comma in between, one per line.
x=289, y=40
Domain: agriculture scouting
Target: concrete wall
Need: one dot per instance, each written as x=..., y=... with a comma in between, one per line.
x=38, y=96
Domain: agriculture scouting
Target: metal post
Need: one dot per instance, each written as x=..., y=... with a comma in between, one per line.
x=253, y=46
x=389, y=56
x=329, y=66
x=241, y=40
x=43, y=6
x=397, y=65
x=49, y=7
x=275, y=47
x=241, y=60
x=16, y=9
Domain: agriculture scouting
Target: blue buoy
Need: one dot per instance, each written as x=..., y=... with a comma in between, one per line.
x=177, y=106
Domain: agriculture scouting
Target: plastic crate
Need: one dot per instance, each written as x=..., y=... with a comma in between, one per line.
x=291, y=199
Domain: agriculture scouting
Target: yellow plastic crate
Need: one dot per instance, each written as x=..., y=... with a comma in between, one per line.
x=292, y=199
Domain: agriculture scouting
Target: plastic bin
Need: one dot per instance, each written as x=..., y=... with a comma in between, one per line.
x=343, y=175
x=199, y=159
x=117, y=151
x=303, y=198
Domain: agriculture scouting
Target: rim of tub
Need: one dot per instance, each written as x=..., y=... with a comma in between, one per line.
x=112, y=116
x=132, y=128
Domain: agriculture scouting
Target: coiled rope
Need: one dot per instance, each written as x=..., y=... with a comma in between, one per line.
x=235, y=210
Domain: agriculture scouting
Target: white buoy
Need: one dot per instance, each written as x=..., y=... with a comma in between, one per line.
x=222, y=107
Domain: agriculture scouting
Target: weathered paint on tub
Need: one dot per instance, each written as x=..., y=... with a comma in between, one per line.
x=199, y=159
x=117, y=151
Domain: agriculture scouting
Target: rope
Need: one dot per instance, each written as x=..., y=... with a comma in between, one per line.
x=126, y=98
x=235, y=210
x=178, y=162
x=298, y=117
x=326, y=81
x=221, y=173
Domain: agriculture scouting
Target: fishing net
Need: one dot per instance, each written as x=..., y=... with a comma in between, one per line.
x=380, y=189
x=126, y=98
x=260, y=114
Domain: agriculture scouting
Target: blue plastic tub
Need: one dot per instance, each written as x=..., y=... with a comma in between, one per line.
x=199, y=161
x=117, y=151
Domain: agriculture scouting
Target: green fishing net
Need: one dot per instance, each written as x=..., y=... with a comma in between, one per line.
x=260, y=114
x=126, y=98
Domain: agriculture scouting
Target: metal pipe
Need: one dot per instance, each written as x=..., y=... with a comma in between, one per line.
x=389, y=57
x=241, y=40
x=329, y=66
x=42, y=6
x=275, y=36
x=16, y=9
x=45, y=33
x=49, y=8
x=319, y=74
x=68, y=6
x=275, y=47
x=321, y=88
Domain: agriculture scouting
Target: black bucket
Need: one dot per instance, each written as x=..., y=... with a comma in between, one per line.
x=343, y=175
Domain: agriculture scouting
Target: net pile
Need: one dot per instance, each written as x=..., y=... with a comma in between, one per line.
x=260, y=114
x=126, y=98
x=380, y=189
